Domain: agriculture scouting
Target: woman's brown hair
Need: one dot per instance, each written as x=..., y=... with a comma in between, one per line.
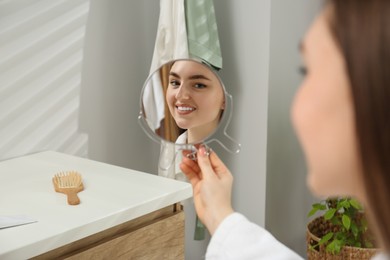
x=361, y=28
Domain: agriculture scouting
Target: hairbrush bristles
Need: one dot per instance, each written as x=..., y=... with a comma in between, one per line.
x=69, y=183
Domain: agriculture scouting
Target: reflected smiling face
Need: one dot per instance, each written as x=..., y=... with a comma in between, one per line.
x=195, y=98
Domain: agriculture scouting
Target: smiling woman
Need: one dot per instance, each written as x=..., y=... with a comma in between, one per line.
x=195, y=99
x=183, y=102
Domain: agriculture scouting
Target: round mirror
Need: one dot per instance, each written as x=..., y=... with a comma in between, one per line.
x=185, y=102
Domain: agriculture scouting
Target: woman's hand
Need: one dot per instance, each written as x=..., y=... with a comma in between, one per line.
x=212, y=187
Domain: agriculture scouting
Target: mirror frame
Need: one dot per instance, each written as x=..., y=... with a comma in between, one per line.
x=219, y=134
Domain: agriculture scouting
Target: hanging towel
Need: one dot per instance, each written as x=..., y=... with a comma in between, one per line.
x=171, y=43
x=171, y=40
x=203, y=44
x=202, y=32
x=153, y=101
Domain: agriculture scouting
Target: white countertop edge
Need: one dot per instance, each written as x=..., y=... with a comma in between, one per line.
x=99, y=225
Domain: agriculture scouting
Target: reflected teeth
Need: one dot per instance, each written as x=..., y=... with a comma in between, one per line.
x=186, y=108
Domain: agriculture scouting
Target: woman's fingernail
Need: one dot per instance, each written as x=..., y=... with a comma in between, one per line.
x=203, y=151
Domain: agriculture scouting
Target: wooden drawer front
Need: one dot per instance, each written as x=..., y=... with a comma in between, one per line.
x=163, y=239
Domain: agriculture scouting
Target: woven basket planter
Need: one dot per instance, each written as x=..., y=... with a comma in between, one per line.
x=320, y=226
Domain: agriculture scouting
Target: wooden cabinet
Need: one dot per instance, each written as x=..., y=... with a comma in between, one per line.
x=157, y=235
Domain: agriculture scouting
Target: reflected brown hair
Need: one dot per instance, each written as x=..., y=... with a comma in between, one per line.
x=361, y=28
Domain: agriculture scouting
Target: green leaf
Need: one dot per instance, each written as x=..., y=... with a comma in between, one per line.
x=355, y=230
x=312, y=212
x=355, y=204
x=329, y=214
x=316, y=207
x=334, y=247
x=321, y=207
x=325, y=238
x=345, y=204
x=346, y=221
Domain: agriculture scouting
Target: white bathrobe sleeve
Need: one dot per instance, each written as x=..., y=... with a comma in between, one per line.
x=238, y=238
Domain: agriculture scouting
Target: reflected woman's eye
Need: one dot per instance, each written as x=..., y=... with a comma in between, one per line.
x=200, y=86
x=303, y=70
x=174, y=83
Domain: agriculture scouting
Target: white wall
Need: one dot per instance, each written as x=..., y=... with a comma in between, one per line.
x=244, y=35
x=118, y=51
x=41, y=51
x=288, y=199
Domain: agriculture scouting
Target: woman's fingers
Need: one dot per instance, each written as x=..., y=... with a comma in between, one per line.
x=208, y=165
x=192, y=175
x=211, y=162
x=204, y=163
x=191, y=169
x=217, y=164
x=191, y=163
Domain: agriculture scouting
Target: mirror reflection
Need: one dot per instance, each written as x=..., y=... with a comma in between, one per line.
x=183, y=102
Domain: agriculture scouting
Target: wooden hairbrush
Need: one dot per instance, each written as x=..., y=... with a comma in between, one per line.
x=69, y=183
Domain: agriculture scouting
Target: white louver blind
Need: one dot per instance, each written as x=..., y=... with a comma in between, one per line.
x=41, y=50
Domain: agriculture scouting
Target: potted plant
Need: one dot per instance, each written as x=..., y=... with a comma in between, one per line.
x=340, y=232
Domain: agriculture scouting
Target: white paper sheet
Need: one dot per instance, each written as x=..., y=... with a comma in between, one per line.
x=13, y=221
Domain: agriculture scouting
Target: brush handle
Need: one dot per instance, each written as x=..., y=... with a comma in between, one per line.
x=73, y=199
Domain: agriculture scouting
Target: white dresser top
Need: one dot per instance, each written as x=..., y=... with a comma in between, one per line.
x=112, y=195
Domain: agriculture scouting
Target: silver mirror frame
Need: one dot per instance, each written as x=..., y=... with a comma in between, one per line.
x=219, y=135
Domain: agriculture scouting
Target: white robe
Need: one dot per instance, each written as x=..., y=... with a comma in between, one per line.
x=238, y=238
